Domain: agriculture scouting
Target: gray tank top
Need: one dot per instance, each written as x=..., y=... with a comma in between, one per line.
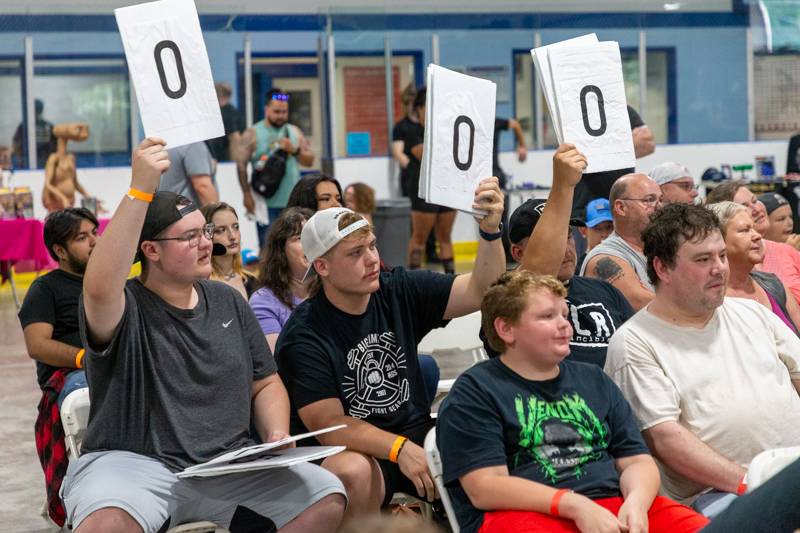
x=614, y=246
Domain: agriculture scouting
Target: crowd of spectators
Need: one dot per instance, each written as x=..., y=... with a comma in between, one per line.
x=625, y=390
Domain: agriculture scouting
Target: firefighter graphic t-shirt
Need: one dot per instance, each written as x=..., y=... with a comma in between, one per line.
x=367, y=361
x=565, y=432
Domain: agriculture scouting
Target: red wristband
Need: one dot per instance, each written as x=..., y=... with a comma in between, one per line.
x=556, y=500
x=742, y=488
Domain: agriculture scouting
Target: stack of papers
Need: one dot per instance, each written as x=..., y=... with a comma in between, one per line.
x=263, y=456
x=459, y=132
x=582, y=83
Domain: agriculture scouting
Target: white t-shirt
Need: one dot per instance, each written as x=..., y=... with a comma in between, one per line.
x=729, y=383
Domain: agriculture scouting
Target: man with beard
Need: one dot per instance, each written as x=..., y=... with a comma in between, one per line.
x=260, y=142
x=49, y=319
x=713, y=381
x=49, y=313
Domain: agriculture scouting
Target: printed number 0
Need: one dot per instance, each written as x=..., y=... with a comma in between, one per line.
x=178, y=65
x=463, y=119
x=601, y=108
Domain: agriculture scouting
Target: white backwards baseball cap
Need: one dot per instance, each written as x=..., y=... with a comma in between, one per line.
x=321, y=233
x=667, y=172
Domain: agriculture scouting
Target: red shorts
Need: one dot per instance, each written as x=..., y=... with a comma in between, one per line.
x=664, y=516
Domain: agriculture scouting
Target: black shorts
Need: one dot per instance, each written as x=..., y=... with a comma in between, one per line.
x=417, y=203
x=421, y=206
x=393, y=479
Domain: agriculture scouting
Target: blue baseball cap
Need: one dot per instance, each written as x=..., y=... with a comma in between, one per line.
x=597, y=211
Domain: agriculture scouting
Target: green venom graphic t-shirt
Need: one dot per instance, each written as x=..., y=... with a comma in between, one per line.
x=565, y=432
x=367, y=361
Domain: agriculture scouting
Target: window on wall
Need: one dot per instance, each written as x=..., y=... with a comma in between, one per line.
x=524, y=105
x=11, y=104
x=656, y=111
x=360, y=107
x=95, y=91
x=656, y=114
x=777, y=100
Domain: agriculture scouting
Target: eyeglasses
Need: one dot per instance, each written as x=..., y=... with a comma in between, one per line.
x=280, y=97
x=647, y=201
x=192, y=237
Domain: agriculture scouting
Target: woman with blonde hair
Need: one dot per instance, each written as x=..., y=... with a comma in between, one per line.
x=227, y=267
x=745, y=249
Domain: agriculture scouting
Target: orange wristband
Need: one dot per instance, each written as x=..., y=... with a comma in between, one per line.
x=79, y=358
x=396, y=447
x=140, y=195
x=556, y=500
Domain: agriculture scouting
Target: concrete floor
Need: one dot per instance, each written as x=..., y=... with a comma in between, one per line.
x=22, y=490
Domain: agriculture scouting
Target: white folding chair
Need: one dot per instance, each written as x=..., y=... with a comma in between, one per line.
x=435, y=465
x=461, y=334
x=75, y=418
x=768, y=463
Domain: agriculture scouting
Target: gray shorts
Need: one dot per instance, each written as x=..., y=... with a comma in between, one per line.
x=148, y=491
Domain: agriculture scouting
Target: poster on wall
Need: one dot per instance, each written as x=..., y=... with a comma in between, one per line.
x=169, y=66
x=459, y=132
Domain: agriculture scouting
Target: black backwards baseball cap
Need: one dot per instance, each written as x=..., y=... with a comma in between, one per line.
x=163, y=212
x=525, y=217
x=772, y=201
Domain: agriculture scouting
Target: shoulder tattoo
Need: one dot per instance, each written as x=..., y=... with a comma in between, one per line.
x=608, y=270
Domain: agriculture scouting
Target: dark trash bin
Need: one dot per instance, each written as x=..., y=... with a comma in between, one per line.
x=392, y=221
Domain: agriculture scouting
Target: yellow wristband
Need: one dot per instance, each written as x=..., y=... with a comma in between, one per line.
x=79, y=358
x=396, y=447
x=140, y=195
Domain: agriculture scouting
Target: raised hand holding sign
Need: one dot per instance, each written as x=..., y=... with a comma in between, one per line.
x=459, y=130
x=169, y=67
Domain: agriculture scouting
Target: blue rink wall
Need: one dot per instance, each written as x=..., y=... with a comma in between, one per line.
x=709, y=81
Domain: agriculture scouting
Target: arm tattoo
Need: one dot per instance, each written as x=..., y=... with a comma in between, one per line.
x=608, y=270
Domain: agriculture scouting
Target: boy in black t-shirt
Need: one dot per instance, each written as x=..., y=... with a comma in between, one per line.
x=49, y=313
x=178, y=369
x=532, y=442
x=348, y=354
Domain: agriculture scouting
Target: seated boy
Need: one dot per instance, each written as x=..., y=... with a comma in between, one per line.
x=531, y=442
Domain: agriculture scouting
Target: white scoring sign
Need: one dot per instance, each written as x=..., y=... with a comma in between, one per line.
x=587, y=101
x=594, y=113
x=169, y=67
x=459, y=130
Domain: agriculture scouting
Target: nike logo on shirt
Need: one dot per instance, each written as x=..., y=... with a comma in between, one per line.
x=226, y=324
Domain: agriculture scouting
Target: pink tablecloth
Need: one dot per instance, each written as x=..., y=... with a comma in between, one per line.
x=22, y=243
